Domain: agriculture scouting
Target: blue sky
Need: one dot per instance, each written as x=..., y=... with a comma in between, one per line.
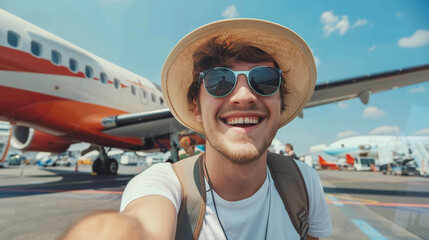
x=348, y=38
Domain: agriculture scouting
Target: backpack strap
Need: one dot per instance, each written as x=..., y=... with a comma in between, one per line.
x=290, y=184
x=190, y=173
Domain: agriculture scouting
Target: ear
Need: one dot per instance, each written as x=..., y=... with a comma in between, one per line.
x=196, y=110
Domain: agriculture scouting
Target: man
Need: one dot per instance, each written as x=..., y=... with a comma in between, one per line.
x=237, y=81
x=290, y=152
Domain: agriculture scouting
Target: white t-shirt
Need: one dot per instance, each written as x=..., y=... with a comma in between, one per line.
x=261, y=216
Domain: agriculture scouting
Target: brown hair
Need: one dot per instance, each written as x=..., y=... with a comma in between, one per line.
x=216, y=53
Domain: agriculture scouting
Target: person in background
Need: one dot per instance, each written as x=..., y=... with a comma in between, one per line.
x=188, y=144
x=289, y=151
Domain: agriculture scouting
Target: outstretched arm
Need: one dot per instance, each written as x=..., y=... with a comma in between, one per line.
x=150, y=217
x=156, y=215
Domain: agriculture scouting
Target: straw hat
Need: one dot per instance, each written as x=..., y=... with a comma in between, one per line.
x=287, y=48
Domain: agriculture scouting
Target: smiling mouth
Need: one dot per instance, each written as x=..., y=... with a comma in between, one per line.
x=242, y=121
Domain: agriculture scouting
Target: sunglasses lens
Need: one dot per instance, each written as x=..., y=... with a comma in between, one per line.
x=219, y=81
x=264, y=80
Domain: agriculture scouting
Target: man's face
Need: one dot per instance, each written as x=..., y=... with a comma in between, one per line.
x=221, y=117
x=287, y=148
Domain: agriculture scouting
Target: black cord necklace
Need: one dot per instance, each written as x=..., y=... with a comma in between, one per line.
x=214, y=202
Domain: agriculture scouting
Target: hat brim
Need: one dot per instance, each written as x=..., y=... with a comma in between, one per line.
x=288, y=49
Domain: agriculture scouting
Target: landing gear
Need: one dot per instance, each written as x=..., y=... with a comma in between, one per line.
x=103, y=165
x=107, y=166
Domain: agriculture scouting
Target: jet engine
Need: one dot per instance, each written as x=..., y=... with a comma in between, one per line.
x=29, y=139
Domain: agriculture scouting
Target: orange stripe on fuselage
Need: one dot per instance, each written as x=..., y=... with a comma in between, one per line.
x=12, y=59
x=61, y=117
x=17, y=60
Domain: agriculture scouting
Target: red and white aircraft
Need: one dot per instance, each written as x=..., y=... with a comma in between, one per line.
x=55, y=93
x=337, y=165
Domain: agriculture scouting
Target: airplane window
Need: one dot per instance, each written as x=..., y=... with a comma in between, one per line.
x=36, y=48
x=103, y=78
x=117, y=83
x=12, y=38
x=88, y=71
x=153, y=97
x=73, y=65
x=56, y=57
x=133, y=89
x=143, y=96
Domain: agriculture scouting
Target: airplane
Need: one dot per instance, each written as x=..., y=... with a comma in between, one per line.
x=381, y=150
x=340, y=165
x=55, y=93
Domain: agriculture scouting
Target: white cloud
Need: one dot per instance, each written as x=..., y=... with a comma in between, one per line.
x=230, y=12
x=398, y=14
x=360, y=22
x=372, y=48
x=332, y=23
x=373, y=112
x=342, y=105
x=347, y=134
x=422, y=132
x=385, y=130
x=419, y=39
x=418, y=89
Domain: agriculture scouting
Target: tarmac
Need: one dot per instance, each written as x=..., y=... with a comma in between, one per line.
x=41, y=203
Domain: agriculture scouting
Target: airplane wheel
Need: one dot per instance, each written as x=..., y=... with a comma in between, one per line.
x=96, y=166
x=112, y=166
x=108, y=168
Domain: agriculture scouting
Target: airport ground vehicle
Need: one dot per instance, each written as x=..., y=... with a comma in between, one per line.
x=45, y=159
x=364, y=163
x=15, y=159
x=407, y=167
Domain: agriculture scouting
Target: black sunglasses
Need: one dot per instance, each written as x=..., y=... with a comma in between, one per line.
x=221, y=81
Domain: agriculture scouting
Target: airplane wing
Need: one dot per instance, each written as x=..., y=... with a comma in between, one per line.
x=143, y=125
x=160, y=122
x=363, y=86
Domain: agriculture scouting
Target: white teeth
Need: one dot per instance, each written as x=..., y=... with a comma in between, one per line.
x=242, y=121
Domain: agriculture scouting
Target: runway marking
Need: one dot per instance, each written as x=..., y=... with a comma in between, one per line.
x=335, y=201
x=374, y=181
x=60, y=191
x=369, y=231
x=382, y=204
x=351, y=198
